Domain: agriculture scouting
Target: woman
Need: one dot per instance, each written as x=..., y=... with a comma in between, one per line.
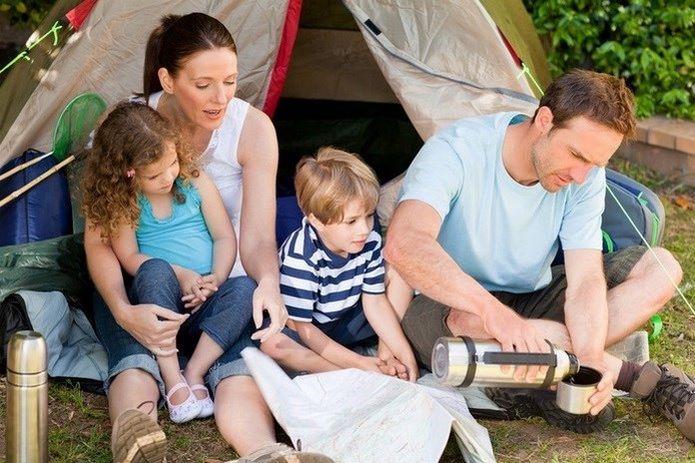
x=190, y=77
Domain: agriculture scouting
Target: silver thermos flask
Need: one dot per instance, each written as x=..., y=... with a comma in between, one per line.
x=27, y=399
x=463, y=361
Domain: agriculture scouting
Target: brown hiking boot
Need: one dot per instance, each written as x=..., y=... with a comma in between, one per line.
x=667, y=390
x=281, y=453
x=522, y=403
x=137, y=438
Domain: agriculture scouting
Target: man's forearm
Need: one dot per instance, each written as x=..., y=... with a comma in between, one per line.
x=423, y=264
x=586, y=317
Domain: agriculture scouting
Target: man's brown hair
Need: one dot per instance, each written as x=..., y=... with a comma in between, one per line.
x=601, y=98
x=327, y=182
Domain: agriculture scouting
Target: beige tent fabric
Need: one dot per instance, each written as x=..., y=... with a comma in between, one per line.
x=453, y=42
x=335, y=65
x=106, y=57
x=419, y=37
x=436, y=49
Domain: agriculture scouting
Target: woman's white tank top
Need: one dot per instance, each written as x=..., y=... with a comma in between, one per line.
x=219, y=161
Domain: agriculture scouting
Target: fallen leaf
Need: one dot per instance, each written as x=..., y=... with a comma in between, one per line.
x=71, y=414
x=683, y=201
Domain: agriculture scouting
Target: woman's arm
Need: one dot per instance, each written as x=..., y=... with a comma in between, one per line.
x=220, y=227
x=258, y=156
x=151, y=325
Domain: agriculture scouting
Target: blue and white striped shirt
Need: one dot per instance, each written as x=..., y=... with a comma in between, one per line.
x=317, y=284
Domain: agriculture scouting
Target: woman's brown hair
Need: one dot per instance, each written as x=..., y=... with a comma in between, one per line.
x=175, y=40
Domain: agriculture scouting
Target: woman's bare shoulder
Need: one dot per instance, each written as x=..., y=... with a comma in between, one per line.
x=258, y=141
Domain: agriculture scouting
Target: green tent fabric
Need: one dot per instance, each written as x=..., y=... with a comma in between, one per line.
x=57, y=264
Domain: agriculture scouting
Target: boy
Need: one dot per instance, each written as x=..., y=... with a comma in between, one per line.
x=332, y=275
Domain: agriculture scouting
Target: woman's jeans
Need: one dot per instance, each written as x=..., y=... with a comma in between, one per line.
x=225, y=317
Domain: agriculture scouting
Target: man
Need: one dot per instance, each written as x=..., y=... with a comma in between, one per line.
x=483, y=209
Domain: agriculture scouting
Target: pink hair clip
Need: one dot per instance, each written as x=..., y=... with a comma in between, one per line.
x=130, y=173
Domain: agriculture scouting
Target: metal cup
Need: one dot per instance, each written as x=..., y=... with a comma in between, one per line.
x=574, y=391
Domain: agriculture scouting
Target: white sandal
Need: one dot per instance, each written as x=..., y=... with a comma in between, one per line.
x=207, y=406
x=186, y=410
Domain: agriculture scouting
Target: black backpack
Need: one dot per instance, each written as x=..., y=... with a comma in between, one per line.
x=13, y=318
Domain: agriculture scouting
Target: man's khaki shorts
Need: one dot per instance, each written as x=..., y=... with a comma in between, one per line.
x=425, y=320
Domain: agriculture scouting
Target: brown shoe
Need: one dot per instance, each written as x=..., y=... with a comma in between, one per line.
x=281, y=453
x=667, y=390
x=137, y=438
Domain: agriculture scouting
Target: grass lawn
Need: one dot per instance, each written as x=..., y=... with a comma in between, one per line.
x=79, y=424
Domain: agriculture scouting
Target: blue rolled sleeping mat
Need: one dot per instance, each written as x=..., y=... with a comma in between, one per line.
x=41, y=213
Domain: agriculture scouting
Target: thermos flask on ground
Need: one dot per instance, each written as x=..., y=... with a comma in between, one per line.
x=26, y=429
x=463, y=361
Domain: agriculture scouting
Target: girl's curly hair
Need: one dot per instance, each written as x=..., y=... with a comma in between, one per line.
x=132, y=136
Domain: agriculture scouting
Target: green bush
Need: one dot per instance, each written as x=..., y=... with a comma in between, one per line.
x=26, y=13
x=650, y=43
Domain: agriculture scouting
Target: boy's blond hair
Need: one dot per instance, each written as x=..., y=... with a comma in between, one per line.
x=327, y=182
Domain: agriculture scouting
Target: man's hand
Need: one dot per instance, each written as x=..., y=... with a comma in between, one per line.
x=152, y=326
x=267, y=297
x=604, y=391
x=515, y=334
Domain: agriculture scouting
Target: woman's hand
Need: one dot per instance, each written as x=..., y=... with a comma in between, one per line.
x=267, y=297
x=152, y=326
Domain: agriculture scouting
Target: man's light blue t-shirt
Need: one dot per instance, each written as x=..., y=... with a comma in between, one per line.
x=503, y=234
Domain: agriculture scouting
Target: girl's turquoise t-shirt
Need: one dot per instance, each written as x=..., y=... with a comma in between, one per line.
x=181, y=239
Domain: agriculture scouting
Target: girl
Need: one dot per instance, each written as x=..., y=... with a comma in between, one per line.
x=162, y=215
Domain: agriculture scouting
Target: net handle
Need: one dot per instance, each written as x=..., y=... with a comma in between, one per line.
x=17, y=193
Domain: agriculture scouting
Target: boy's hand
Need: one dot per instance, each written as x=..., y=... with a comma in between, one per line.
x=373, y=364
x=406, y=357
x=403, y=361
x=604, y=390
x=394, y=366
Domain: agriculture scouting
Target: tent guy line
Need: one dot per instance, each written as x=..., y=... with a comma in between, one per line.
x=23, y=55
